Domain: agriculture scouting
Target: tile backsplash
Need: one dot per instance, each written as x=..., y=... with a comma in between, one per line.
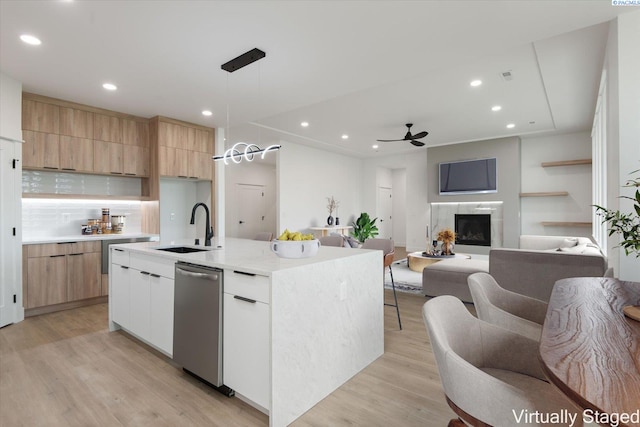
x=43, y=218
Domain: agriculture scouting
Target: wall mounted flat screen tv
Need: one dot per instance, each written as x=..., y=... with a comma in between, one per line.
x=468, y=177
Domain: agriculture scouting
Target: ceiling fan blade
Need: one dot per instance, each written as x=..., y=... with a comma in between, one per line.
x=416, y=143
x=420, y=135
x=390, y=140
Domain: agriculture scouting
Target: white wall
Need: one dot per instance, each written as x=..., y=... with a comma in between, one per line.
x=177, y=198
x=250, y=173
x=306, y=177
x=622, y=67
x=576, y=207
x=399, y=185
x=416, y=209
x=629, y=122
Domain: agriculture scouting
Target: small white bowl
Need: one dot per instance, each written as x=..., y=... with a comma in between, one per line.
x=295, y=248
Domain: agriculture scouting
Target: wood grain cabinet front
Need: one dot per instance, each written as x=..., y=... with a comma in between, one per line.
x=62, y=272
x=40, y=116
x=40, y=150
x=76, y=154
x=74, y=122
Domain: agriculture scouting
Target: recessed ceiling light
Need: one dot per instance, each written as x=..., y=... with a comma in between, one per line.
x=475, y=83
x=29, y=39
x=374, y=146
x=345, y=136
x=496, y=108
x=304, y=124
x=206, y=113
x=510, y=126
x=109, y=86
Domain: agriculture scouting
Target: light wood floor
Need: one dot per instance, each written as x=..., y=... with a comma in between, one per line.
x=66, y=369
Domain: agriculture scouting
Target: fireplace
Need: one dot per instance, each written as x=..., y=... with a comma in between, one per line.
x=473, y=229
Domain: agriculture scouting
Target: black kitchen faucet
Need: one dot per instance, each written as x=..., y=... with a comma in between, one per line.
x=208, y=233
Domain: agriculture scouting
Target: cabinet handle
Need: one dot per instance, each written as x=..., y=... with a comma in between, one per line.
x=193, y=177
x=64, y=243
x=252, y=301
x=116, y=173
x=124, y=266
x=49, y=167
x=242, y=272
x=75, y=254
x=68, y=169
x=182, y=176
x=130, y=174
x=55, y=256
x=119, y=250
x=146, y=273
x=154, y=275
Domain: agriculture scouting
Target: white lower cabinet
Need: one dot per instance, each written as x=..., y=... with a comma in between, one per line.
x=119, y=299
x=161, y=308
x=142, y=299
x=246, y=332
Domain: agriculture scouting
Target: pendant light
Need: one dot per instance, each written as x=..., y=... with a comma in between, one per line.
x=242, y=150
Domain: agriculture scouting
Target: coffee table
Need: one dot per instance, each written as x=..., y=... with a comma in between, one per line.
x=416, y=261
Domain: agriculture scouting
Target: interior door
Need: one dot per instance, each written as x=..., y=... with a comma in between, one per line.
x=251, y=210
x=385, y=207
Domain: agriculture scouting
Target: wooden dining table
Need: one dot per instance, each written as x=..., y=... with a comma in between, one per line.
x=591, y=351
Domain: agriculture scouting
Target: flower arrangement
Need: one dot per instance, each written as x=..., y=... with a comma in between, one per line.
x=446, y=235
x=333, y=204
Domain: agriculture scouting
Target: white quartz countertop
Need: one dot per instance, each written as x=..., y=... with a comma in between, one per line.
x=250, y=256
x=84, y=238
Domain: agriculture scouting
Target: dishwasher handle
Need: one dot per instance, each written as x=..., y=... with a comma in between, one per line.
x=211, y=276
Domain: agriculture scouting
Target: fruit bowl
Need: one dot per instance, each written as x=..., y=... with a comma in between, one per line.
x=295, y=248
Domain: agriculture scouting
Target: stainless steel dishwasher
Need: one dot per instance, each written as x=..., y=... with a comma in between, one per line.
x=197, y=324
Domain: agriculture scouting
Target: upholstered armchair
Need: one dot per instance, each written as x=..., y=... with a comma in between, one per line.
x=498, y=306
x=490, y=375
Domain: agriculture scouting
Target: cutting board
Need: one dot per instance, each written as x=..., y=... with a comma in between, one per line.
x=632, y=311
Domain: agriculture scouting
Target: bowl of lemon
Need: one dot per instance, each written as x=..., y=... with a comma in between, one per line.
x=294, y=244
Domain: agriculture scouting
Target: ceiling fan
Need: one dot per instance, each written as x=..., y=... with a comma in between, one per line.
x=408, y=137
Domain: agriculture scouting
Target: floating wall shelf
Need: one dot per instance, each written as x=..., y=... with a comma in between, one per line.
x=545, y=194
x=566, y=163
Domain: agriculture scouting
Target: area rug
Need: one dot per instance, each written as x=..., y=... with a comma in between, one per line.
x=405, y=280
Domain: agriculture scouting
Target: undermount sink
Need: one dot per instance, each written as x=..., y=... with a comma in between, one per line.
x=181, y=249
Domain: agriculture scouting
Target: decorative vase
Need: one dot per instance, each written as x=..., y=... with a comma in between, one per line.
x=337, y=221
x=330, y=220
x=447, y=248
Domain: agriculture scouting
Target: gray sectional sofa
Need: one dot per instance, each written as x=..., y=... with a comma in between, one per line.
x=531, y=270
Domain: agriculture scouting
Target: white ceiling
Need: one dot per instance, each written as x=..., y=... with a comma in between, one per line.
x=364, y=68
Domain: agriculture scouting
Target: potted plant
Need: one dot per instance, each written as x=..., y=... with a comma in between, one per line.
x=364, y=227
x=625, y=224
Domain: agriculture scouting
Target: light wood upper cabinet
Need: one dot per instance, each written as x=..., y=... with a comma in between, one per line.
x=174, y=162
x=40, y=116
x=107, y=157
x=107, y=128
x=76, y=154
x=200, y=165
x=74, y=122
x=172, y=135
x=40, y=150
x=135, y=160
x=135, y=132
x=204, y=141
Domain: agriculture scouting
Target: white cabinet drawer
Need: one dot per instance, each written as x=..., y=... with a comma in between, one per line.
x=247, y=285
x=152, y=264
x=120, y=257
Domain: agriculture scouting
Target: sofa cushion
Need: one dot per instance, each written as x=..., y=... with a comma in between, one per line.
x=468, y=266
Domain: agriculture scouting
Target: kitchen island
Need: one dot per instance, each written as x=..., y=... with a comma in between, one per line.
x=316, y=321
